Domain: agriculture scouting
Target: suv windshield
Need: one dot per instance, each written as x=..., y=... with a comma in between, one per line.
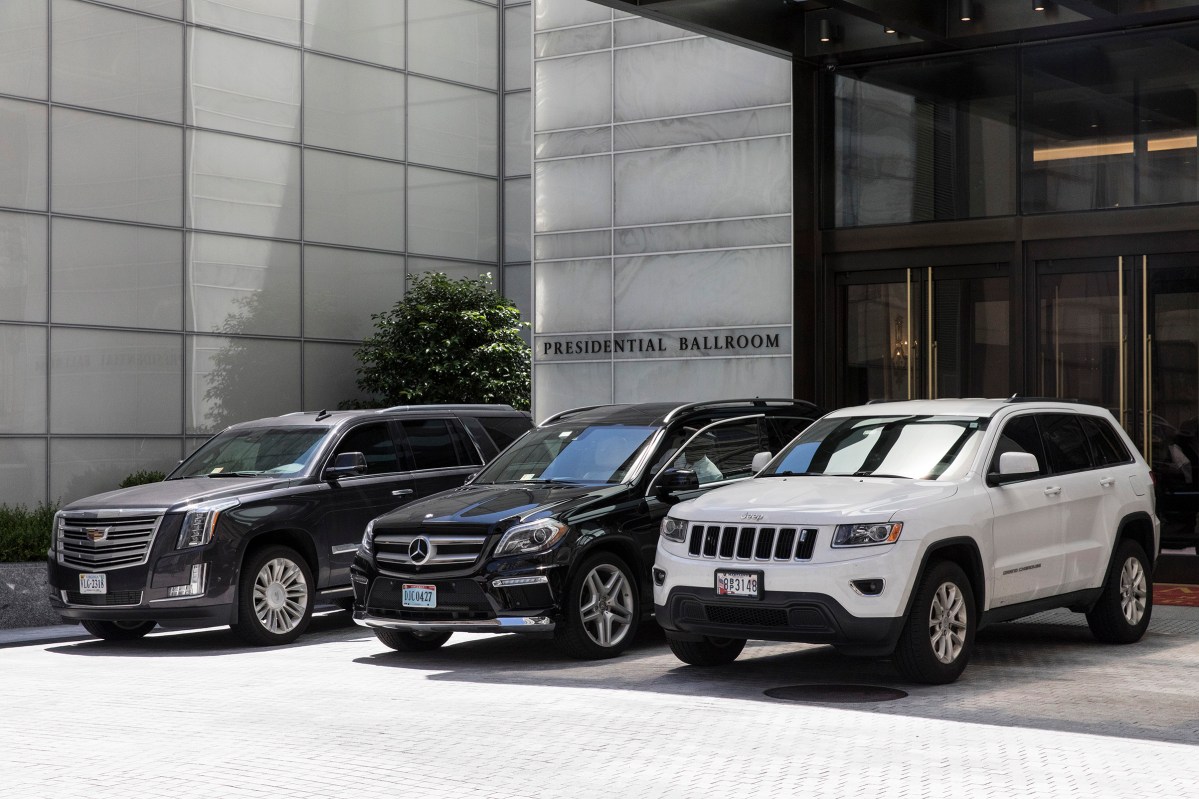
x=595, y=454
x=917, y=447
x=254, y=451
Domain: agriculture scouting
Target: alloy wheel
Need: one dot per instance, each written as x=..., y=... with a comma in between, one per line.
x=606, y=605
x=1134, y=590
x=947, y=621
x=280, y=596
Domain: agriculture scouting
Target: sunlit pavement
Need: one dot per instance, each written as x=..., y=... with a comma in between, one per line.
x=1042, y=710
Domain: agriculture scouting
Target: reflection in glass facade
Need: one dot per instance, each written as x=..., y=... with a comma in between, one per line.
x=202, y=203
x=1109, y=122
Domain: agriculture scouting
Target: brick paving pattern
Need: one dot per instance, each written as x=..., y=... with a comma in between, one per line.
x=1042, y=711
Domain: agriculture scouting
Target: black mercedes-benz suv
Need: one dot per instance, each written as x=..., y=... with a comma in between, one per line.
x=262, y=520
x=557, y=535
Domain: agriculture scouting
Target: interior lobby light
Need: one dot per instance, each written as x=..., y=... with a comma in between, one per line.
x=1038, y=5
x=1101, y=150
x=966, y=11
x=888, y=29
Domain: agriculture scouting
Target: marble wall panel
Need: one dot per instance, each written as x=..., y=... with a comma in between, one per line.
x=704, y=235
x=240, y=286
x=572, y=194
x=586, y=141
x=518, y=219
x=240, y=185
x=23, y=267
x=560, y=386
x=573, y=295
x=24, y=168
x=23, y=394
x=225, y=379
x=721, y=126
x=695, y=380
x=22, y=471
x=365, y=30
x=563, y=13
x=558, y=100
x=572, y=245
x=24, y=65
x=267, y=19
x=572, y=40
x=353, y=201
x=639, y=30
x=342, y=288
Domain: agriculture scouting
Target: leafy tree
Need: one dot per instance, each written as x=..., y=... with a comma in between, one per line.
x=447, y=341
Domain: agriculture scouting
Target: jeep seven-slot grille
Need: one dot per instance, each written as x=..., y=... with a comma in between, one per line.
x=106, y=540
x=736, y=542
x=396, y=553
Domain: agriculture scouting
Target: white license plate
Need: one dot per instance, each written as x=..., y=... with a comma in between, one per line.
x=737, y=584
x=419, y=596
x=93, y=584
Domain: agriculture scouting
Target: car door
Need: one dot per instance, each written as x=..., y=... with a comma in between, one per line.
x=1027, y=520
x=1114, y=467
x=441, y=454
x=354, y=501
x=1083, y=488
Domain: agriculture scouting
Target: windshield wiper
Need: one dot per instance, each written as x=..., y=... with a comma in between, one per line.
x=878, y=474
x=233, y=474
x=791, y=474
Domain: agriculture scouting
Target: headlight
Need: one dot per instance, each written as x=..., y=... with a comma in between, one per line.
x=200, y=522
x=867, y=535
x=56, y=530
x=367, y=545
x=526, y=539
x=674, y=529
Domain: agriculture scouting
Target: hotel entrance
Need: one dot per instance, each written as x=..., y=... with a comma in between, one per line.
x=925, y=332
x=1123, y=332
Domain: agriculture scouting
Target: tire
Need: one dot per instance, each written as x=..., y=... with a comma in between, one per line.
x=1122, y=612
x=602, y=609
x=708, y=652
x=274, y=597
x=938, y=636
x=119, y=630
x=404, y=641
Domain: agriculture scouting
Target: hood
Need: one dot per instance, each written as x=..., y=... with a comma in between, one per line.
x=175, y=494
x=813, y=499
x=486, y=505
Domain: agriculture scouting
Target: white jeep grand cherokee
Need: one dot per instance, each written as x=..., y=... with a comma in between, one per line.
x=902, y=528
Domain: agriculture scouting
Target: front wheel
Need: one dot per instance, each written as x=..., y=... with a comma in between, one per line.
x=1121, y=615
x=602, y=609
x=118, y=630
x=708, y=652
x=274, y=597
x=938, y=636
x=404, y=641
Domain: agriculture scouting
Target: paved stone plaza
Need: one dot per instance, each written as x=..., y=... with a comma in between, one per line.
x=1041, y=711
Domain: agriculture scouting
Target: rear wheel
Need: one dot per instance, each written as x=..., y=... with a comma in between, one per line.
x=274, y=597
x=602, y=609
x=708, y=652
x=119, y=630
x=938, y=636
x=405, y=641
x=1121, y=615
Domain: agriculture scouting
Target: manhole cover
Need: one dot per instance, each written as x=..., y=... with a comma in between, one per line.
x=844, y=694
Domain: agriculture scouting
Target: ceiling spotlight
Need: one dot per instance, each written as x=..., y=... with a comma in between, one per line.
x=825, y=30
x=888, y=29
x=966, y=12
x=1038, y=5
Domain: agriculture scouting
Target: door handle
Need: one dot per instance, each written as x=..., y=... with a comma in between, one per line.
x=1107, y=482
x=401, y=492
x=1053, y=490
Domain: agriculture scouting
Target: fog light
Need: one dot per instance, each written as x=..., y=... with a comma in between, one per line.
x=868, y=587
x=196, y=586
x=659, y=576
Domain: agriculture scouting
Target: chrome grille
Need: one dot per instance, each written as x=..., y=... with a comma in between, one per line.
x=116, y=598
x=751, y=543
x=103, y=540
x=446, y=552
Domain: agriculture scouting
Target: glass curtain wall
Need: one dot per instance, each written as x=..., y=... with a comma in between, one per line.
x=203, y=201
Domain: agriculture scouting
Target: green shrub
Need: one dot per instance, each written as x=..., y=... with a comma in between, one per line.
x=25, y=532
x=143, y=476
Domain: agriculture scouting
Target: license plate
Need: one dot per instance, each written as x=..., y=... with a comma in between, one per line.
x=93, y=584
x=419, y=596
x=738, y=584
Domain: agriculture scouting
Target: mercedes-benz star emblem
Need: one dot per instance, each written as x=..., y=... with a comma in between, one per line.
x=419, y=549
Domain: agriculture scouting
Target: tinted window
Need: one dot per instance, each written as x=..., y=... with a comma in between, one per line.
x=566, y=453
x=375, y=442
x=1065, y=443
x=1106, y=446
x=781, y=429
x=504, y=429
x=251, y=451
x=435, y=444
x=1020, y=435
x=724, y=452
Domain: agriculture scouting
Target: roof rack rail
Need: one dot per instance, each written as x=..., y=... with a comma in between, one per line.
x=759, y=401
x=563, y=414
x=460, y=406
x=1019, y=398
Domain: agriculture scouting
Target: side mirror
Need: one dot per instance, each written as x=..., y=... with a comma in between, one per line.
x=346, y=464
x=675, y=481
x=759, y=462
x=1014, y=466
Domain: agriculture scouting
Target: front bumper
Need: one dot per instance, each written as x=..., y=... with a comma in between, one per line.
x=502, y=624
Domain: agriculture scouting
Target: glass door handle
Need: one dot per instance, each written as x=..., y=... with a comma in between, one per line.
x=1107, y=482
x=401, y=492
x=1053, y=491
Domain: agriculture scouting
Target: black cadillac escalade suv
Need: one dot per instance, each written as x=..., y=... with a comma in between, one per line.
x=557, y=535
x=262, y=520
